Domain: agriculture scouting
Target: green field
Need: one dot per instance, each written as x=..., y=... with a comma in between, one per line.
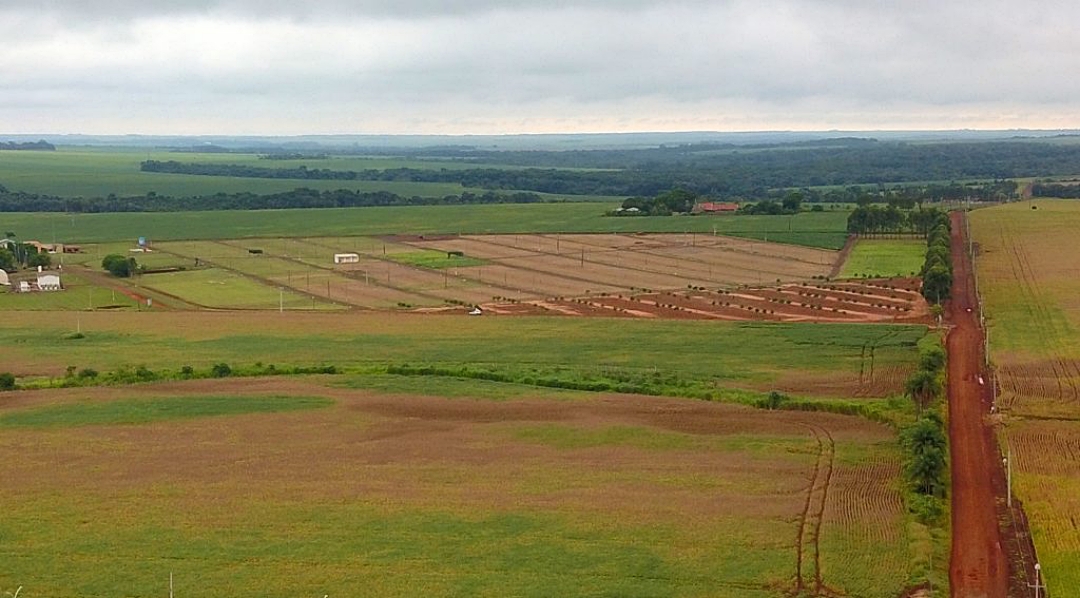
x=880, y=258
x=216, y=288
x=144, y=411
x=78, y=172
x=814, y=229
x=739, y=354
x=435, y=260
x=450, y=456
x=1027, y=273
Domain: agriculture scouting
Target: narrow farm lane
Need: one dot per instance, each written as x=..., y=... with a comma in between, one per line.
x=979, y=568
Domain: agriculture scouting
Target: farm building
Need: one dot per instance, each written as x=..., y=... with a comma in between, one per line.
x=346, y=258
x=709, y=207
x=4, y=280
x=49, y=282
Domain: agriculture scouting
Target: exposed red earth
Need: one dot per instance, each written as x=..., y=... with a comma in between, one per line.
x=979, y=568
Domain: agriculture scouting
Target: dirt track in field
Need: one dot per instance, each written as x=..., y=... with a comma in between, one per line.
x=979, y=568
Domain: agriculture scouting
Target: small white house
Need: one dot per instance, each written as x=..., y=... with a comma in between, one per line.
x=49, y=282
x=24, y=287
x=346, y=258
x=4, y=280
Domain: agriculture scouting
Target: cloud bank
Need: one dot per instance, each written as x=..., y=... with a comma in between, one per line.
x=509, y=66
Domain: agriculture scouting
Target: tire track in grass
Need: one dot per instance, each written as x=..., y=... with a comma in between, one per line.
x=812, y=517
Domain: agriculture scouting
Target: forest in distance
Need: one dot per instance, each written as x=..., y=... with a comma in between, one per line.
x=717, y=170
x=839, y=170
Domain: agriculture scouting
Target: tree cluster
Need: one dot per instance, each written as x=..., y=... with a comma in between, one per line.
x=675, y=201
x=937, y=270
x=15, y=255
x=790, y=204
x=120, y=266
x=927, y=449
x=874, y=219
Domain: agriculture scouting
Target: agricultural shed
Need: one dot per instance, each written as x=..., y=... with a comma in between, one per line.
x=346, y=258
x=4, y=280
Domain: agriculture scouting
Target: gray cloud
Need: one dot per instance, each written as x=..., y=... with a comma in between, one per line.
x=534, y=65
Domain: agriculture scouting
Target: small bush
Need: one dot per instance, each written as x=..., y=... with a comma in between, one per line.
x=7, y=381
x=221, y=370
x=88, y=373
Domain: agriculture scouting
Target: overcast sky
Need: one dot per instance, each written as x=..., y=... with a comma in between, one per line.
x=535, y=66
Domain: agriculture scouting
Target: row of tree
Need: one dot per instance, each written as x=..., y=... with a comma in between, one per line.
x=925, y=441
x=297, y=198
x=937, y=270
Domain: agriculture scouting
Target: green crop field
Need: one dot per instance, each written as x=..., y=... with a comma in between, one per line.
x=877, y=258
x=740, y=354
x=144, y=411
x=814, y=229
x=1027, y=270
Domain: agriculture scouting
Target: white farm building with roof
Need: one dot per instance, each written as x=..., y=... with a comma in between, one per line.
x=346, y=258
x=49, y=282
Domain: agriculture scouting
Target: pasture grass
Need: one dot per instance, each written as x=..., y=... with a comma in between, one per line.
x=143, y=411
x=815, y=229
x=878, y=258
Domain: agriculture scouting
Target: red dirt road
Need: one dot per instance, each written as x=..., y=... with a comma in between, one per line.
x=979, y=568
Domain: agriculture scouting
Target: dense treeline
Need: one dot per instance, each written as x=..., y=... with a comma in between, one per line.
x=40, y=146
x=1067, y=191
x=540, y=180
x=717, y=171
x=823, y=163
x=297, y=198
